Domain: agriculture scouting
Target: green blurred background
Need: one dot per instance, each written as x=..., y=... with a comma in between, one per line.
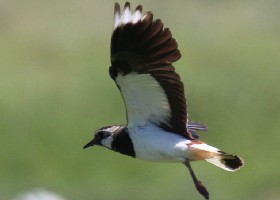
x=55, y=91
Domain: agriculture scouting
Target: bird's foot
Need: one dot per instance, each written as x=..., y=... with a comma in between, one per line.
x=198, y=184
x=202, y=190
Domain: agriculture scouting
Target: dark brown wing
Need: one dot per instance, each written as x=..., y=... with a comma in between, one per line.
x=142, y=53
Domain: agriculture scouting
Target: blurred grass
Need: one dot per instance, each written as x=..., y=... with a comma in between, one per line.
x=55, y=91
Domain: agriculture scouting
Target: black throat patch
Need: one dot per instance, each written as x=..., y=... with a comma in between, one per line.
x=122, y=143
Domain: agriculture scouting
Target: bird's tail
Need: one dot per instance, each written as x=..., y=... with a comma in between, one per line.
x=203, y=151
x=226, y=161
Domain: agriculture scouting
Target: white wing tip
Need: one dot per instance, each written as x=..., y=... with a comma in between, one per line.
x=127, y=16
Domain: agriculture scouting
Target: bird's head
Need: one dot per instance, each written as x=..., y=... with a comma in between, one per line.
x=102, y=137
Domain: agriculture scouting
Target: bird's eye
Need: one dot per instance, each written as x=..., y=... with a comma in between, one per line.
x=105, y=134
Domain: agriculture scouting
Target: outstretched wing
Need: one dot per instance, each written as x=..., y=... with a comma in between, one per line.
x=142, y=53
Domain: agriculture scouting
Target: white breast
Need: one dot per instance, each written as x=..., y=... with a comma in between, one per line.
x=154, y=144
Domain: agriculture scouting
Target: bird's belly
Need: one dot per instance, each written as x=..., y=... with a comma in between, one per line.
x=155, y=144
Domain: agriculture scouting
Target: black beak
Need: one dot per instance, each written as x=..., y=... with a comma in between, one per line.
x=91, y=143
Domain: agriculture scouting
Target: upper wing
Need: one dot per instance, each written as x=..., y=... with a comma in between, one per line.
x=142, y=53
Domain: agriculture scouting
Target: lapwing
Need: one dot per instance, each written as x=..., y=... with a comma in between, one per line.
x=158, y=127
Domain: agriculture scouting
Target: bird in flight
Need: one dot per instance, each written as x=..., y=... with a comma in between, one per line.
x=158, y=127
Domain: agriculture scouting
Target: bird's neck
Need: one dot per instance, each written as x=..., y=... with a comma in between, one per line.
x=122, y=143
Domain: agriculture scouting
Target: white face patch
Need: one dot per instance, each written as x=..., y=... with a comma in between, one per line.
x=144, y=98
x=107, y=142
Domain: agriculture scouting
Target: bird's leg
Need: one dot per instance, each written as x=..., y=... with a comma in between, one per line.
x=199, y=186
